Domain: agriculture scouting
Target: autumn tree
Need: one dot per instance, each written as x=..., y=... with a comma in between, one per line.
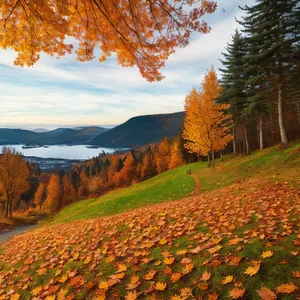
x=148, y=170
x=129, y=170
x=40, y=195
x=14, y=174
x=177, y=158
x=163, y=156
x=206, y=124
x=68, y=191
x=140, y=33
x=53, y=200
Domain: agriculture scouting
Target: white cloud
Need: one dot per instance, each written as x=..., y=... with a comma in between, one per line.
x=68, y=92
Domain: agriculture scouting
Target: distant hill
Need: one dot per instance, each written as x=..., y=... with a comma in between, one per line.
x=141, y=130
x=53, y=137
x=38, y=130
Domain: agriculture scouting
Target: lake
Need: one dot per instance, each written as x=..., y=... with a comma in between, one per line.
x=62, y=151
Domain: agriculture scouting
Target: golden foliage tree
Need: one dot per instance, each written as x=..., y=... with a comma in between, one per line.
x=14, y=174
x=148, y=169
x=177, y=158
x=206, y=124
x=39, y=195
x=68, y=191
x=163, y=156
x=53, y=200
x=141, y=33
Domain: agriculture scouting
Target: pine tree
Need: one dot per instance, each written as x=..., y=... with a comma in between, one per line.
x=234, y=84
x=206, y=124
x=272, y=30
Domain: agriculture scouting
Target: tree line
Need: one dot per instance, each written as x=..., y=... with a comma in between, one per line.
x=255, y=104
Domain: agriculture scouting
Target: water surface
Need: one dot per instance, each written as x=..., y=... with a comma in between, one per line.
x=63, y=151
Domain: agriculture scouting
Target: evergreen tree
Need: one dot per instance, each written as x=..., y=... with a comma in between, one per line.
x=234, y=84
x=272, y=31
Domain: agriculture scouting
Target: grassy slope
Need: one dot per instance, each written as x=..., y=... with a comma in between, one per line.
x=242, y=227
x=177, y=183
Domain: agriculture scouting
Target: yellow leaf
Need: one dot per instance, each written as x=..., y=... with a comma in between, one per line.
x=103, y=285
x=160, y=286
x=252, y=270
x=131, y=296
x=63, y=278
x=267, y=254
x=181, y=252
x=227, y=279
x=15, y=297
x=36, y=291
x=121, y=268
x=169, y=261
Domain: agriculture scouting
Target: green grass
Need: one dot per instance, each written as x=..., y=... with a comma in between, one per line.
x=272, y=164
x=171, y=185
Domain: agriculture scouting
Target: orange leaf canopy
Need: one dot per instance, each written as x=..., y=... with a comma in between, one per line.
x=141, y=33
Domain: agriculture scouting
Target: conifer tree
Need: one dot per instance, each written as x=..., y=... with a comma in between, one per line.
x=234, y=84
x=272, y=30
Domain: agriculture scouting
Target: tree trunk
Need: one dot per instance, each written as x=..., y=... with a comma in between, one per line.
x=6, y=209
x=213, y=159
x=222, y=156
x=246, y=139
x=10, y=209
x=208, y=160
x=282, y=128
x=261, y=134
x=234, y=141
x=298, y=111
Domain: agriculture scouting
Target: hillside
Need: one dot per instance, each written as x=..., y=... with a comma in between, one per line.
x=233, y=234
x=141, y=130
x=57, y=136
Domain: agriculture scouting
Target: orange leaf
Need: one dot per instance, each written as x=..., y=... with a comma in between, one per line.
x=205, y=276
x=286, y=288
x=237, y=293
x=150, y=275
x=175, y=277
x=266, y=294
x=160, y=286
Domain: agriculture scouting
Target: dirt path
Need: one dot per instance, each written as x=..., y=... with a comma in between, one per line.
x=16, y=230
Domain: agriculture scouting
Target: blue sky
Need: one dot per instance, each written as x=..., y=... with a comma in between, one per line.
x=66, y=92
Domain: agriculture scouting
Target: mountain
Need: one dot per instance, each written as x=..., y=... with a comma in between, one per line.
x=17, y=136
x=53, y=137
x=39, y=130
x=141, y=130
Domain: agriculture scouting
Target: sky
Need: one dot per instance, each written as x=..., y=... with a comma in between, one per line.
x=62, y=93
